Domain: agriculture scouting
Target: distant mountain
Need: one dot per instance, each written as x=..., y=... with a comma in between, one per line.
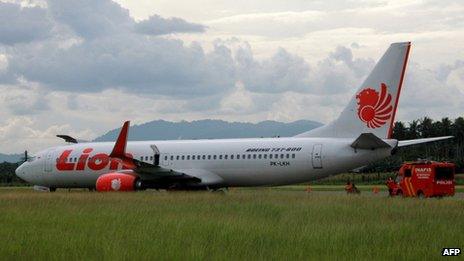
x=211, y=129
x=13, y=158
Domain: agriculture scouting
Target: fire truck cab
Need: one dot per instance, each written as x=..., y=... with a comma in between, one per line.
x=423, y=179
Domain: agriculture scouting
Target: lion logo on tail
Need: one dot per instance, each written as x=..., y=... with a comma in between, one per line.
x=374, y=109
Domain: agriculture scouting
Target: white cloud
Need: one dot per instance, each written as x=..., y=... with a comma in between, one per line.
x=21, y=133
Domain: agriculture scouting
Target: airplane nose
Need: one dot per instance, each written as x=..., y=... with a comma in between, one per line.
x=19, y=170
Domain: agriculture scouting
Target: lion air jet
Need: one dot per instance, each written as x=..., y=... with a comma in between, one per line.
x=360, y=135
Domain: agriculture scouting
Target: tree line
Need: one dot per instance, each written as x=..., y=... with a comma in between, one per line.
x=447, y=150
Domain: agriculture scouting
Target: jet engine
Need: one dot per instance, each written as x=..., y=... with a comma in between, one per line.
x=116, y=182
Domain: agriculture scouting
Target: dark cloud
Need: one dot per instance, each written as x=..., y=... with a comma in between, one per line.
x=156, y=25
x=148, y=65
x=110, y=55
x=23, y=24
x=339, y=72
x=112, y=51
x=282, y=72
x=91, y=18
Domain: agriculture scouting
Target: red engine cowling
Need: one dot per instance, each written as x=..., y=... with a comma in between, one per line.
x=116, y=182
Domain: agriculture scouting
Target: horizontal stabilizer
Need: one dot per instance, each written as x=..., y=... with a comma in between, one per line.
x=403, y=143
x=368, y=141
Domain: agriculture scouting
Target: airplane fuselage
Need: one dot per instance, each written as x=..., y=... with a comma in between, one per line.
x=223, y=162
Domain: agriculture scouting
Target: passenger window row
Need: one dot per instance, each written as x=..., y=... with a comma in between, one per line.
x=213, y=157
x=230, y=157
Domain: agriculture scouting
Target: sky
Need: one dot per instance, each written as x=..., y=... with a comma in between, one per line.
x=84, y=67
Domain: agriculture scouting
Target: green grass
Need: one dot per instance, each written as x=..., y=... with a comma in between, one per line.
x=240, y=224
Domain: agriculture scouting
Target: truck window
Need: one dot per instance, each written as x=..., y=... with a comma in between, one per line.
x=443, y=173
x=407, y=173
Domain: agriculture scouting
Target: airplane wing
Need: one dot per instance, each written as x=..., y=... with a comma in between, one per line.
x=403, y=143
x=144, y=170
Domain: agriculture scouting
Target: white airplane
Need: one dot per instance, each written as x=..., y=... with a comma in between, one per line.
x=360, y=135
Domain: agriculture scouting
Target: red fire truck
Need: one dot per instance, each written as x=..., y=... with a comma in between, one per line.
x=423, y=179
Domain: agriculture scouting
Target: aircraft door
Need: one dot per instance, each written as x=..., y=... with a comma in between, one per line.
x=49, y=160
x=156, y=152
x=317, y=156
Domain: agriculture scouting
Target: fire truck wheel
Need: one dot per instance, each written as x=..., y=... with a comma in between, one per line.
x=420, y=194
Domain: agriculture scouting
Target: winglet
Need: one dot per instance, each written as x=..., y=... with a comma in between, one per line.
x=119, y=149
x=67, y=138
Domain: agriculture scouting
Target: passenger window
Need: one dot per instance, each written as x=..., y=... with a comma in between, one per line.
x=151, y=158
x=225, y=156
x=270, y=156
x=214, y=157
x=177, y=157
x=141, y=158
x=259, y=156
x=293, y=155
x=188, y=157
x=204, y=157
x=281, y=156
x=243, y=156
x=165, y=157
x=172, y=157
x=276, y=156
x=254, y=156
x=265, y=156
x=288, y=156
x=209, y=157
x=249, y=156
x=193, y=157
x=146, y=158
x=232, y=156
x=183, y=157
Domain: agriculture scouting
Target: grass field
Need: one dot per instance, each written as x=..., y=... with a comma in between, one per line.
x=240, y=224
